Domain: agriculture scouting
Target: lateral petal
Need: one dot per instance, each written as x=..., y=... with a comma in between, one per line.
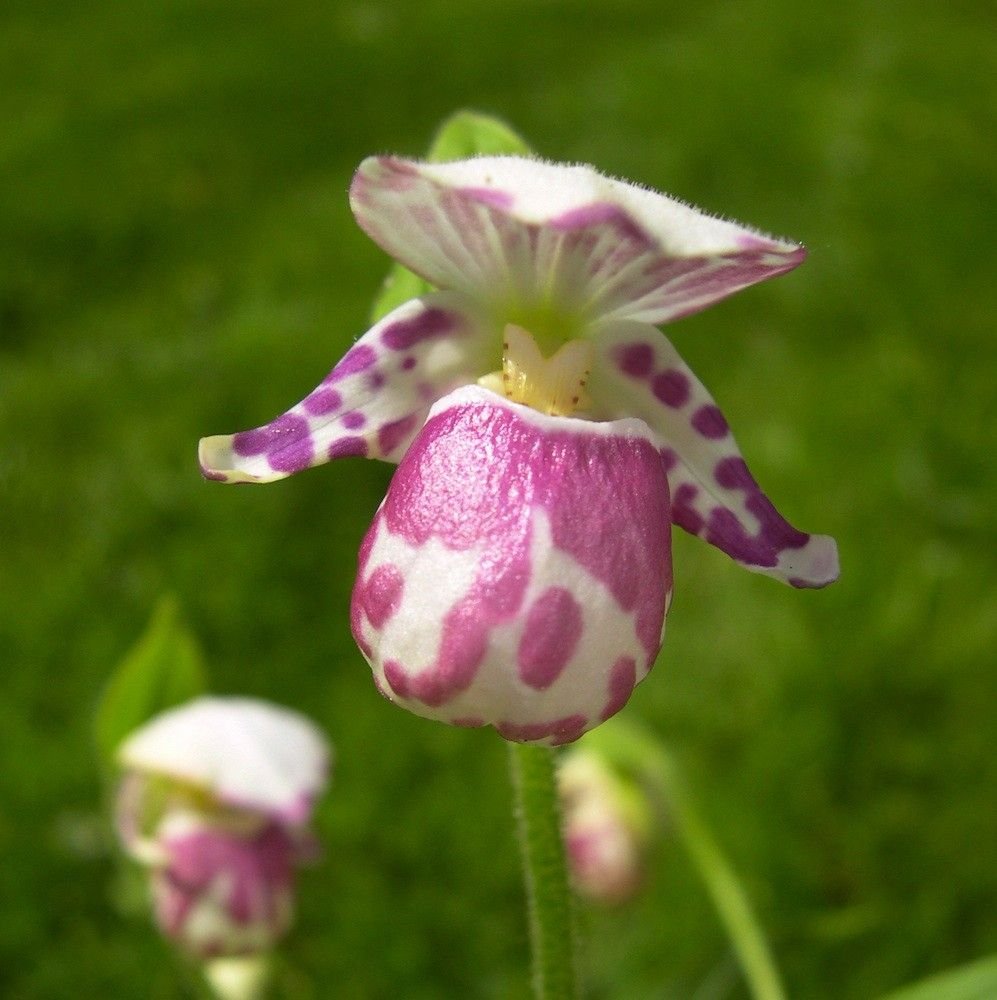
x=714, y=496
x=375, y=399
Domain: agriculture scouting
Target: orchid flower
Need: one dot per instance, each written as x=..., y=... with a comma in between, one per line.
x=519, y=569
x=606, y=827
x=215, y=801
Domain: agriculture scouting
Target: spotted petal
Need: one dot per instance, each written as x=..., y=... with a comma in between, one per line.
x=522, y=233
x=244, y=752
x=713, y=494
x=375, y=399
x=221, y=892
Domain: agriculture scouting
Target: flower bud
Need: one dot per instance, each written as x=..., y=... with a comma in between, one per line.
x=604, y=828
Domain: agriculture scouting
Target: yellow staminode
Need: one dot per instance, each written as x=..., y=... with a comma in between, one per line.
x=554, y=385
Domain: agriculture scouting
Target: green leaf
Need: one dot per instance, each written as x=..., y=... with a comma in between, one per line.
x=470, y=133
x=639, y=753
x=164, y=668
x=399, y=286
x=463, y=134
x=976, y=981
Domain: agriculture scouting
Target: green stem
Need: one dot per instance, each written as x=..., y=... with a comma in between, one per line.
x=552, y=937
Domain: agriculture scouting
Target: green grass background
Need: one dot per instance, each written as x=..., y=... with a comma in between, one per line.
x=177, y=258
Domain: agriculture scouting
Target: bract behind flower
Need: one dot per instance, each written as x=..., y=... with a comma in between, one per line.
x=519, y=570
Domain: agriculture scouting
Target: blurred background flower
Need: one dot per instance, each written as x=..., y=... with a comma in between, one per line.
x=607, y=824
x=215, y=803
x=216, y=800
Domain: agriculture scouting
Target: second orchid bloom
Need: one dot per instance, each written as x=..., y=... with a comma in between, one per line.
x=215, y=802
x=518, y=572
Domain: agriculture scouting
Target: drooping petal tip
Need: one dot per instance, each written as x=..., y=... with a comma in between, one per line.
x=814, y=566
x=217, y=459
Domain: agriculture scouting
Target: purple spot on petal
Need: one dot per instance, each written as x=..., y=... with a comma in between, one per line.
x=323, y=401
x=671, y=387
x=775, y=529
x=285, y=429
x=622, y=679
x=286, y=442
x=462, y=648
x=348, y=447
x=375, y=381
x=408, y=364
x=292, y=457
x=492, y=197
x=669, y=458
x=726, y=532
x=635, y=360
x=732, y=474
x=683, y=513
x=358, y=359
x=597, y=214
x=358, y=615
x=710, y=422
x=390, y=436
x=558, y=731
x=382, y=594
x=354, y=420
x=398, y=681
x=405, y=333
x=553, y=628
x=254, y=442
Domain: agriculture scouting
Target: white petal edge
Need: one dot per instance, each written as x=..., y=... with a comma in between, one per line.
x=246, y=752
x=513, y=229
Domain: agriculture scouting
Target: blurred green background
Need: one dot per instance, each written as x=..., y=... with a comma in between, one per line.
x=177, y=258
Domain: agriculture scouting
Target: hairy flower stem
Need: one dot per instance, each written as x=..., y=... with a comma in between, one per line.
x=551, y=911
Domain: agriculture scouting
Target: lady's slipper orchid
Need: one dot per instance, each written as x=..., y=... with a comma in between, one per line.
x=605, y=827
x=215, y=801
x=519, y=570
